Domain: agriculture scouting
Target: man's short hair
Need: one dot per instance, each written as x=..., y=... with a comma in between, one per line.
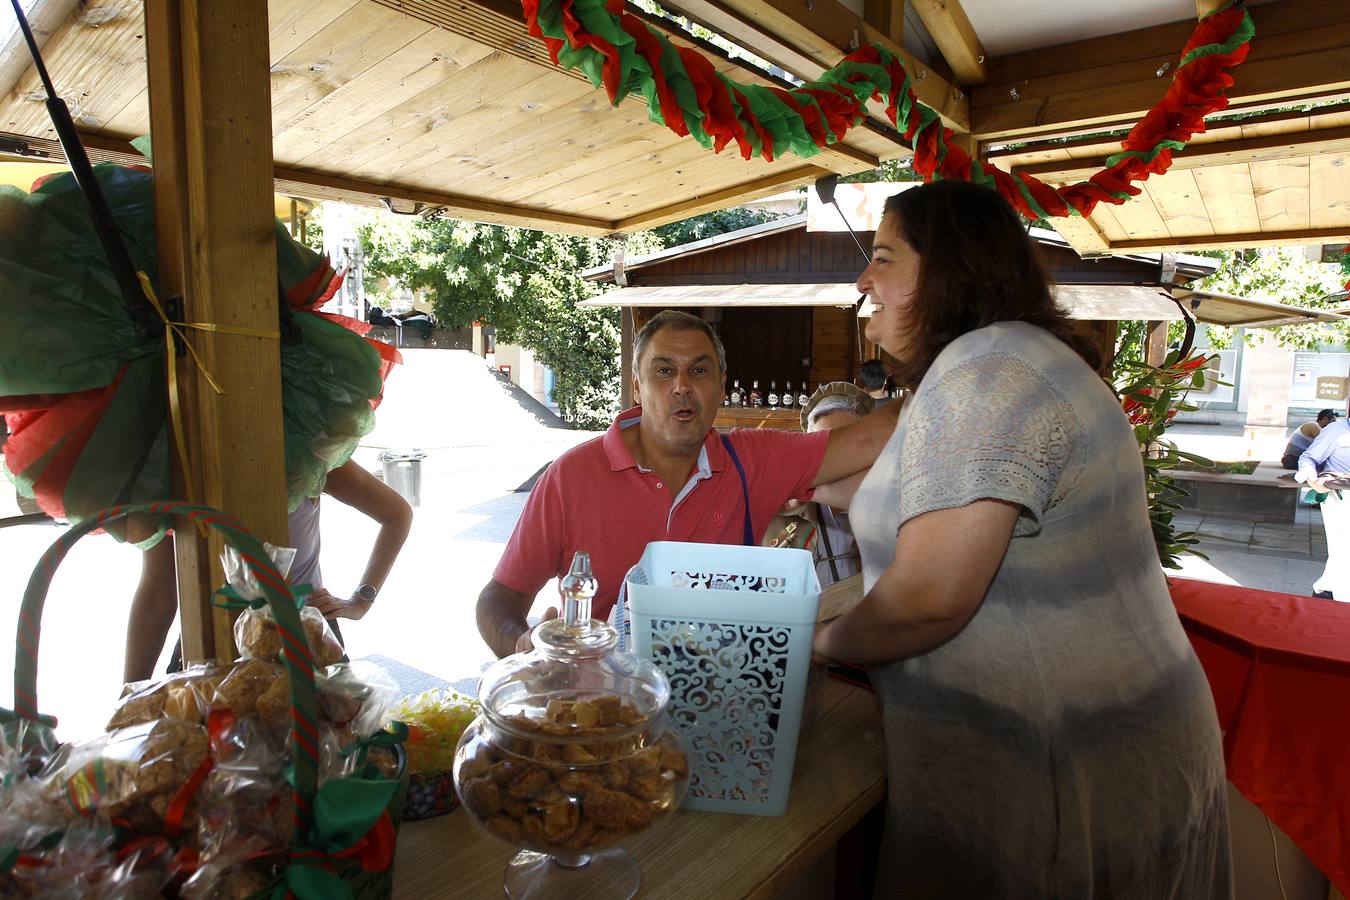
x=1327, y=414
x=873, y=375
x=679, y=321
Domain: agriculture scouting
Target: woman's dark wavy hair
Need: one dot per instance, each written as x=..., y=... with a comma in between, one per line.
x=977, y=266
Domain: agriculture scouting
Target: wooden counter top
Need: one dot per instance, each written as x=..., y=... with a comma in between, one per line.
x=840, y=774
x=763, y=417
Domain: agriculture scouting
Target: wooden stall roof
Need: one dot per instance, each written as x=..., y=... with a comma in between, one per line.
x=1225, y=309
x=782, y=264
x=431, y=104
x=1273, y=169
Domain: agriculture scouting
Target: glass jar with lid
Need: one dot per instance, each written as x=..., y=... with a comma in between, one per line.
x=571, y=755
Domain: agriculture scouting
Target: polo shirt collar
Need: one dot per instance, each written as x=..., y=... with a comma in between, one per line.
x=621, y=458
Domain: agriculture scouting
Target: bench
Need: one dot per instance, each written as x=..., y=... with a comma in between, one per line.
x=1262, y=496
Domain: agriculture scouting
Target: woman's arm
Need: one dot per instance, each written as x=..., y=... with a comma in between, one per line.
x=839, y=494
x=359, y=489
x=945, y=561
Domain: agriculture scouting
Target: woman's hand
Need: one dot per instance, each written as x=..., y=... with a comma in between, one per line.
x=335, y=608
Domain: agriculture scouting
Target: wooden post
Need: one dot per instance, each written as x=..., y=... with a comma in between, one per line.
x=211, y=125
x=1155, y=343
x=626, y=357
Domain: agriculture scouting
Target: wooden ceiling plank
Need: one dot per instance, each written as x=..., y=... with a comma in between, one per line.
x=1177, y=197
x=1281, y=189
x=1138, y=217
x=1300, y=52
x=621, y=172
x=805, y=39
x=353, y=107
x=1104, y=217
x=763, y=187
x=1329, y=182
x=428, y=111
x=290, y=23
x=465, y=126
x=955, y=37
x=97, y=64
x=1084, y=235
x=359, y=40
x=1229, y=198
x=45, y=20
x=1283, y=145
x=500, y=24
x=1236, y=241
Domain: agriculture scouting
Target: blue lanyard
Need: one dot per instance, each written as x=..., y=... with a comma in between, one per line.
x=749, y=537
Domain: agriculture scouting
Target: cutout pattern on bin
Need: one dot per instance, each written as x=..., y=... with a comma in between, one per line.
x=727, y=682
x=723, y=581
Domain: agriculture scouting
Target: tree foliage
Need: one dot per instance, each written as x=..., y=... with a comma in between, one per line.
x=527, y=284
x=1281, y=275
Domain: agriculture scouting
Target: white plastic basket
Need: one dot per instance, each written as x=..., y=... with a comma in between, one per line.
x=731, y=627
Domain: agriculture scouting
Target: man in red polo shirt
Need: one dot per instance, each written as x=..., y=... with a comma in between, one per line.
x=662, y=473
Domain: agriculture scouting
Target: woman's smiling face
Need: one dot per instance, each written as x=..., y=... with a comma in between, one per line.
x=890, y=282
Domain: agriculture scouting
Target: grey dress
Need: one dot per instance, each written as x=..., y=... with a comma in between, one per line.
x=1064, y=744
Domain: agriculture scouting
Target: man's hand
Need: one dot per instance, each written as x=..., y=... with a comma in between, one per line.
x=334, y=608
x=1317, y=485
x=525, y=642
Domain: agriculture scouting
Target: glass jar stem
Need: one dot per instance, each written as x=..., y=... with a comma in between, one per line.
x=571, y=860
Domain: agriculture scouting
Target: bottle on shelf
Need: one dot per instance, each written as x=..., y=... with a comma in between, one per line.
x=803, y=398
x=756, y=398
x=773, y=395
x=789, y=398
x=736, y=397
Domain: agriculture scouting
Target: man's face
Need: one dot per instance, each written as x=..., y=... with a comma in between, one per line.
x=1324, y=421
x=680, y=388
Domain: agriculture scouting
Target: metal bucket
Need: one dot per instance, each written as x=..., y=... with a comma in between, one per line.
x=403, y=473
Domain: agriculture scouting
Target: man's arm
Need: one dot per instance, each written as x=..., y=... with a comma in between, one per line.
x=501, y=615
x=1316, y=454
x=855, y=447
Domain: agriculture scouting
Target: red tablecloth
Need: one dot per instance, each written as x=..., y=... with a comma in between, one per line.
x=1279, y=666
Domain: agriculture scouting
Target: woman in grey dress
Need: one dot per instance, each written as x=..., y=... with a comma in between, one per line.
x=1049, y=731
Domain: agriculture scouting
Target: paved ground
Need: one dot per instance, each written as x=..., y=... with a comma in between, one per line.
x=482, y=441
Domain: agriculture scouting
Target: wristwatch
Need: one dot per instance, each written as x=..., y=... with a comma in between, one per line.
x=366, y=592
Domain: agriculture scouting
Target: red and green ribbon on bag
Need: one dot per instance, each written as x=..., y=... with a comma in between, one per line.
x=686, y=94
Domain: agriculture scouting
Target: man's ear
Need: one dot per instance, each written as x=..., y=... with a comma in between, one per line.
x=637, y=390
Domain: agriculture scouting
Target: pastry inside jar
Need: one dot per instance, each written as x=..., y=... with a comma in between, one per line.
x=574, y=780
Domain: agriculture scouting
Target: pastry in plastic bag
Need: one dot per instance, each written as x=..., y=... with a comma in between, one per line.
x=255, y=631
x=360, y=694
x=175, y=697
x=248, y=681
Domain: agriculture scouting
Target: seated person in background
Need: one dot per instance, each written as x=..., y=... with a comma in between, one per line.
x=876, y=380
x=662, y=472
x=1303, y=436
x=835, y=405
x=155, y=602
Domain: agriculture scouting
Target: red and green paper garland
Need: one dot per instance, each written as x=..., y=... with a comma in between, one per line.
x=687, y=95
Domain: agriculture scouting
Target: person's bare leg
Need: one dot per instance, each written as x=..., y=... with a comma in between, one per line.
x=153, y=608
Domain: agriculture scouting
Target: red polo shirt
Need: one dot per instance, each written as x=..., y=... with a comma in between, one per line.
x=595, y=498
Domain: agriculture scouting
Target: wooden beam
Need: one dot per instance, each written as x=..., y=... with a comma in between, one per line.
x=807, y=38
x=222, y=256
x=1155, y=343
x=318, y=186
x=1082, y=234
x=955, y=37
x=764, y=187
x=888, y=17
x=1301, y=51
x=1238, y=241
x=1223, y=153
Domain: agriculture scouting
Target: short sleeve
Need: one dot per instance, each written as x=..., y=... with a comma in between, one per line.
x=533, y=553
x=780, y=464
x=990, y=428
